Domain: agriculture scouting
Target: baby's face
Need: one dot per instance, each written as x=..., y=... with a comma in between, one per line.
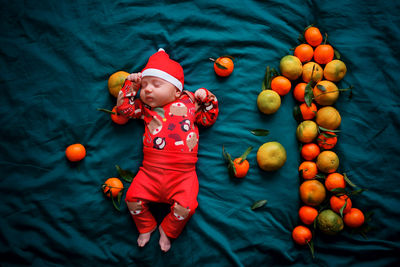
x=157, y=92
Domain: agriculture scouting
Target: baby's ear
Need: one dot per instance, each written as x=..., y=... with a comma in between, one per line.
x=178, y=93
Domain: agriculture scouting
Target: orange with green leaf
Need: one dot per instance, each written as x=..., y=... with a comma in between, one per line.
x=238, y=167
x=335, y=180
x=340, y=204
x=327, y=140
x=268, y=101
x=223, y=66
x=301, y=235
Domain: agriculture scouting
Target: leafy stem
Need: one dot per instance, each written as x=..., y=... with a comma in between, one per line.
x=107, y=111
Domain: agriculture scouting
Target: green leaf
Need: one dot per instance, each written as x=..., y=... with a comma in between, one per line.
x=220, y=66
x=357, y=192
x=125, y=174
x=342, y=208
x=308, y=95
x=297, y=113
x=328, y=135
x=337, y=54
x=348, y=180
x=311, y=247
x=231, y=165
x=267, y=79
x=320, y=176
x=224, y=153
x=114, y=204
x=328, y=130
x=274, y=72
x=246, y=153
x=119, y=197
x=259, y=204
x=260, y=132
x=339, y=191
x=263, y=86
x=321, y=87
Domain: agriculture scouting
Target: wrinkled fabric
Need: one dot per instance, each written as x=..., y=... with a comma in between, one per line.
x=55, y=60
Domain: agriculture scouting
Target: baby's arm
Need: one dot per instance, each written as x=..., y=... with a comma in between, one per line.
x=127, y=106
x=207, y=111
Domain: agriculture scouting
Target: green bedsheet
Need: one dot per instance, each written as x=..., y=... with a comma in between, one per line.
x=55, y=60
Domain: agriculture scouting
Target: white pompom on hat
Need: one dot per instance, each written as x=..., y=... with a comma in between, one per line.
x=161, y=66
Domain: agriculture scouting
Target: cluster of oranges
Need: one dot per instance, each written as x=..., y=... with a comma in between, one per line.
x=112, y=187
x=316, y=71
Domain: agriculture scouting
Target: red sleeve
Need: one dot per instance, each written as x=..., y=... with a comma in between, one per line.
x=207, y=112
x=127, y=105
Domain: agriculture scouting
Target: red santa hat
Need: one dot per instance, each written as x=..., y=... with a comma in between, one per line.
x=161, y=66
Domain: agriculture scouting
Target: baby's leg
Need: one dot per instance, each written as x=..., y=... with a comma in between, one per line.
x=173, y=223
x=165, y=242
x=143, y=239
x=144, y=220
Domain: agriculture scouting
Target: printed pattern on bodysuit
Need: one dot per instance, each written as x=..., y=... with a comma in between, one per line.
x=172, y=127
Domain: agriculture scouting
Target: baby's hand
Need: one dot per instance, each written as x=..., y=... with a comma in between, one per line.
x=200, y=94
x=135, y=77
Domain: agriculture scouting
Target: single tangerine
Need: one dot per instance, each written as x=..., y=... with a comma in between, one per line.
x=299, y=91
x=327, y=161
x=241, y=168
x=307, y=214
x=334, y=180
x=338, y=202
x=118, y=119
x=304, y=52
x=301, y=235
x=327, y=140
x=310, y=151
x=324, y=54
x=313, y=36
x=75, y=152
x=312, y=192
x=354, y=218
x=223, y=66
x=281, y=85
x=112, y=187
x=308, y=112
x=308, y=169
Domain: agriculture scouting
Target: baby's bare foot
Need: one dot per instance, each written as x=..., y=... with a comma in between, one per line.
x=165, y=243
x=143, y=239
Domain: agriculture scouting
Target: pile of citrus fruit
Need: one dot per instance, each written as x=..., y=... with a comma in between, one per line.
x=313, y=72
x=324, y=191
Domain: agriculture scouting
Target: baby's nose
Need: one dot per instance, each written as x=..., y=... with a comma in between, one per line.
x=148, y=89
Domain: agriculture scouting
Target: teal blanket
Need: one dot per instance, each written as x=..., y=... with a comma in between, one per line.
x=55, y=60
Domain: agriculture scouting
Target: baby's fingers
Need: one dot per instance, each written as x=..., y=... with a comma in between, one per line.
x=134, y=77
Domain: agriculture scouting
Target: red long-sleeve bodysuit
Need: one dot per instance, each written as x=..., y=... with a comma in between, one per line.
x=170, y=145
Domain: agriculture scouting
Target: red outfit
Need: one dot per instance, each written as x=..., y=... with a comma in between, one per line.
x=170, y=145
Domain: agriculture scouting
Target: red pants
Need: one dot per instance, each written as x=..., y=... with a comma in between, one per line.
x=166, y=177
